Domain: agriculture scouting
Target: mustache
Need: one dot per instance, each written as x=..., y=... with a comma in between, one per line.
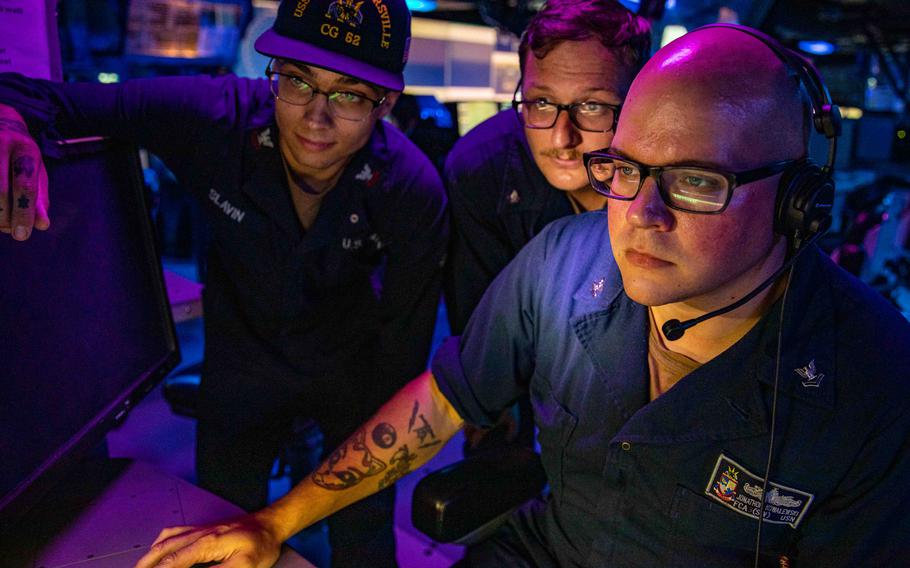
x=562, y=154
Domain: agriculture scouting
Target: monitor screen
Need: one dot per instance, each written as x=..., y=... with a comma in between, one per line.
x=185, y=29
x=88, y=329
x=472, y=113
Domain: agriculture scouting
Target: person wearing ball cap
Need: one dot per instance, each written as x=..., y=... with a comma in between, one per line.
x=328, y=231
x=773, y=433
x=367, y=40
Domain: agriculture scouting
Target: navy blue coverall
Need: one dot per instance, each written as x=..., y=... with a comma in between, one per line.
x=675, y=481
x=499, y=200
x=325, y=323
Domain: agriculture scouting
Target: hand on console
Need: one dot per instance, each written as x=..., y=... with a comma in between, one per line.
x=245, y=542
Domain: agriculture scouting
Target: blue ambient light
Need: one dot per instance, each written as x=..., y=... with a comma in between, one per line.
x=421, y=5
x=817, y=47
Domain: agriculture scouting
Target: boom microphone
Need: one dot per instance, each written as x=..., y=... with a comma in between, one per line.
x=674, y=329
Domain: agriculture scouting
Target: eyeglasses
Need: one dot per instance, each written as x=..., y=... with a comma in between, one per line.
x=295, y=90
x=589, y=116
x=684, y=188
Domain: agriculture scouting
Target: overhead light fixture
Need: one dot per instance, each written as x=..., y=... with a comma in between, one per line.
x=817, y=47
x=421, y=5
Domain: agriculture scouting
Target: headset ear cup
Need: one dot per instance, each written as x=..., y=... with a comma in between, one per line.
x=804, y=199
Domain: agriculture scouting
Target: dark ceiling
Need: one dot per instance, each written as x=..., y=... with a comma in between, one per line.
x=850, y=24
x=846, y=23
x=868, y=34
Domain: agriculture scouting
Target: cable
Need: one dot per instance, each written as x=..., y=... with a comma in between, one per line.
x=764, y=489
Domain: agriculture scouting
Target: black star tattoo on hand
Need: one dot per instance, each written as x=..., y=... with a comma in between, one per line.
x=23, y=202
x=24, y=166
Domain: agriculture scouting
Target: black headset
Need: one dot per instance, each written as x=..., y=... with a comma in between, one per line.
x=805, y=195
x=806, y=190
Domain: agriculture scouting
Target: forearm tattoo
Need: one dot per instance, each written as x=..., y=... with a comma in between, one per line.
x=337, y=476
x=384, y=435
x=400, y=466
x=413, y=415
x=425, y=434
x=10, y=125
x=353, y=461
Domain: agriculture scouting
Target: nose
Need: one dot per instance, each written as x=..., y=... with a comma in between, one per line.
x=648, y=210
x=317, y=112
x=564, y=134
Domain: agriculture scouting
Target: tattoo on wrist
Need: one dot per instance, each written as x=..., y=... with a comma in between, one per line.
x=13, y=126
x=24, y=166
x=23, y=202
x=400, y=466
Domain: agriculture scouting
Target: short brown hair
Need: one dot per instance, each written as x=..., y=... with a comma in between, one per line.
x=577, y=20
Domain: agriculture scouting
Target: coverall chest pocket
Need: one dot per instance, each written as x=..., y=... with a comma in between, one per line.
x=707, y=533
x=555, y=428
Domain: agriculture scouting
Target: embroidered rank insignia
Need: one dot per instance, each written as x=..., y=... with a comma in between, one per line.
x=263, y=139
x=597, y=287
x=367, y=175
x=811, y=376
x=736, y=488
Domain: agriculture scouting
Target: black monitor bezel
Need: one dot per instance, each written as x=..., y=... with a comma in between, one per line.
x=18, y=502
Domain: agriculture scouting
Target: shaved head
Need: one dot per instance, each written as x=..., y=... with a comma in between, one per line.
x=720, y=99
x=733, y=81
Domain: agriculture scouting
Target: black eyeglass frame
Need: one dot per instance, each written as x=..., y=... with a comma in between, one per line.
x=734, y=179
x=269, y=72
x=569, y=108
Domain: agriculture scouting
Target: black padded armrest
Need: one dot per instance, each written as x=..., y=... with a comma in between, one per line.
x=466, y=501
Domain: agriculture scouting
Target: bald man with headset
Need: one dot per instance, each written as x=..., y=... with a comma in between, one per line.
x=709, y=388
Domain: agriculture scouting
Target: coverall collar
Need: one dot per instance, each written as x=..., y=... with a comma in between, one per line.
x=725, y=398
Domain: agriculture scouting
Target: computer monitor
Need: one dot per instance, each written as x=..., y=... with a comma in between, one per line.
x=472, y=113
x=204, y=32
x=87, y=329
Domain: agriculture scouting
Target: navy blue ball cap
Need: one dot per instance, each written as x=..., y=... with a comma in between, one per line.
x=366, y=39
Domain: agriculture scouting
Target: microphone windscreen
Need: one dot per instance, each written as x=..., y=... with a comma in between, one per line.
x=672, y=329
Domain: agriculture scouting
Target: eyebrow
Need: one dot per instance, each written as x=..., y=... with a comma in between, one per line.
x=681, y=164
x=343, y=80
x=544, y=90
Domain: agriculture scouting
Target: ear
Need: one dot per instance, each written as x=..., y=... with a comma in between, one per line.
x=388, y=104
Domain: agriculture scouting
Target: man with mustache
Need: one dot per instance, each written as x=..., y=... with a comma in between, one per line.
x=790, y=408
x=328, y=232
x=521, y=169
x=517, y=171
